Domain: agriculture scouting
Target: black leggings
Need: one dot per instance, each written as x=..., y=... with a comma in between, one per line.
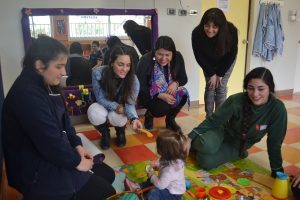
x=99, y=185
x=159, y=108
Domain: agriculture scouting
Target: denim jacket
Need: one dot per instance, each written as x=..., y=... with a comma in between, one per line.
x=269, y=35
x=130, y=110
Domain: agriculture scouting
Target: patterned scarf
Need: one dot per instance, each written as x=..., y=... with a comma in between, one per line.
x=160, y=85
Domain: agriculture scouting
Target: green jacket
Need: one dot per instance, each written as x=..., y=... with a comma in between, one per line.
x=270, y=119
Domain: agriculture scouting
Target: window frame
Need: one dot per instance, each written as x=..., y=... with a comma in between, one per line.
x=26, y=12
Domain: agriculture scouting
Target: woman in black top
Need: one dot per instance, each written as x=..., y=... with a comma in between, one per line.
x=44, y=157
x=215, y=46
x=162, y=76
x=79, y=68
x=140, y=35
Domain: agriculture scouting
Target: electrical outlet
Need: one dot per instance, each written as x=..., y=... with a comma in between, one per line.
x=193, y=12
x=182, y=12
x=171, y=11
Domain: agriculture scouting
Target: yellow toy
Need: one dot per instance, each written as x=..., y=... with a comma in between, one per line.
x=148, y=133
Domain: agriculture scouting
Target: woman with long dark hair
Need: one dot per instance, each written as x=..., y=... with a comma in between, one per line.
x=243, y=120
x=116, y=88
x=162, y=76
x=44, y=157
x=215, y=46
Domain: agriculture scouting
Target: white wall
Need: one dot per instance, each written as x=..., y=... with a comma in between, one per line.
x=179, y=28
x=283, y=67
x=297, y=73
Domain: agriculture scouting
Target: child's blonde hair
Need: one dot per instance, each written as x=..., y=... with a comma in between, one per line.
x=171, y=146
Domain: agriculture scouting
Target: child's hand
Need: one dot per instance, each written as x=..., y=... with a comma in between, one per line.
x=151, y=173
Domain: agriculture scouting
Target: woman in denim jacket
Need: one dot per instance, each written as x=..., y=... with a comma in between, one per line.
x=116, y=88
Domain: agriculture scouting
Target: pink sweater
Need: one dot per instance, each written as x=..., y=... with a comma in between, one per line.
x=171, y=177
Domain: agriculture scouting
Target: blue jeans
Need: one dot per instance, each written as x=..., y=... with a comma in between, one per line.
x=157, y=194
x=213, y=99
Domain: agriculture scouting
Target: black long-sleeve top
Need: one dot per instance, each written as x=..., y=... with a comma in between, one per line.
x=205, y=52
x=142, y=39
x=39, y=141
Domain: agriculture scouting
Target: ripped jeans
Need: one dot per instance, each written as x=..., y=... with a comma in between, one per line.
x=214, y=98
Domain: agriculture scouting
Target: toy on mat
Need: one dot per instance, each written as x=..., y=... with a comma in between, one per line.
x=148, y=133
x=200, y=192
x=187, y=184
x=129, y=196
x=149, y=169
x=220, y=192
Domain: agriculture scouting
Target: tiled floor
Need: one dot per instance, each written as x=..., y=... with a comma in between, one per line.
x=140, y=148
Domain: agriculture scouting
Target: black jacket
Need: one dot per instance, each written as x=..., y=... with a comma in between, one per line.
x=205, y=51
x=80, y=71
x=39, y=141
x=144, y=73
x=142, y=39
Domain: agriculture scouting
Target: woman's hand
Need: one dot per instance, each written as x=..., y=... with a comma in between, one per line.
x=219, y=81
x=188, y=144
x=136, y=124
x=83, y=152
x=167, y=98
x=120, y=109
x=296, y=181
x=85, y=164
x=212, y=82
x=172, y=87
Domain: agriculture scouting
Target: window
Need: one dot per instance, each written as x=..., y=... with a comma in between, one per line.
x=85, y=26
x=94, y=26
x=40, y=25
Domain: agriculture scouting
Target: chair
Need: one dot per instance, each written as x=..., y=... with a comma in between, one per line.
x=7, y=192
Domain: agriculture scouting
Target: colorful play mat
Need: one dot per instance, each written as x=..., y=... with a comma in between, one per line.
x=241, y=179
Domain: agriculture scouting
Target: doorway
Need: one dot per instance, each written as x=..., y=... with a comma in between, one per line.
x=237, y=13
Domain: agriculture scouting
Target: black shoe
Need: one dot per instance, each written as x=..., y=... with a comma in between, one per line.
x=121, y=139
x=105, y=140
x=171, y=124
x=148, y=123
x=170, y=119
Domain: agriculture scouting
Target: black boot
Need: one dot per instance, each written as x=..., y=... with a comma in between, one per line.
x=104, y=130
x=148, y=123
x=121, y=139
x=170, y=118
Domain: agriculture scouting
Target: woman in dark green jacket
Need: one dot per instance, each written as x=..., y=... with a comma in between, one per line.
x=243, y=120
